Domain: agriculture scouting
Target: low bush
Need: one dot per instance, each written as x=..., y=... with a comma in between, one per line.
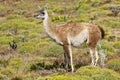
x=116, y=45
x=86, y=73
x=41, y=65
x=58, y=9
x=4, y=63
x=16, y=23
x=61, y=18
x=16, y=64
x=17, y=78
x=97, y=73
x=111, y=38
x=84, y=8
x=53, y=51
x=4, y=40
x=107, y=47
x=30, y=76
x=114, y=64
x=3, y=77
x=4, y=10
x=7, y=71
x=58, y=77
x=11, y=16
x=36, y=66
x=27, y=47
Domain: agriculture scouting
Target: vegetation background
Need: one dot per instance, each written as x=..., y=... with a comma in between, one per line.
x=37, y=57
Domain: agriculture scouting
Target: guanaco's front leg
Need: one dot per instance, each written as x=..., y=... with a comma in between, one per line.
x=68, y=56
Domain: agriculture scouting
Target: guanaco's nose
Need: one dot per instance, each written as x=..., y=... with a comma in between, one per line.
x=35, y=16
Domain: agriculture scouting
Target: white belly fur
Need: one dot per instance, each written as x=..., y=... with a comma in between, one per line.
x=77, y=40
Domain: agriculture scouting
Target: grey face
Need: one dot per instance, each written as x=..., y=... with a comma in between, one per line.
x=41, y=14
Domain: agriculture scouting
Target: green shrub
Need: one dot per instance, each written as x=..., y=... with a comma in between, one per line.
x=3, y=77
x=4, y=9
x=71, y=7
x=86, y=73
x=114, y=64
x=63, y=77
x=33, y=35
x=116, y=2
x=107, y=47
x=30, y=76
x=16, y=23
x=41, y=65
x=111, y=38
x=36, y=66
x=53, y=51
x=17, y=78
x=116, y=45
x=83, y=78
x=7, y=71
x=43, y=43
x=58, y=77
x=27, y=47
x=39, y=59
x=44, y=78
x=11, y=16
x=97, y=73
x=84, y=8
x=58, y=9
x=4, y=62
x=16, y=63
x=61, y=18
x=48, y=65
x=4, y=40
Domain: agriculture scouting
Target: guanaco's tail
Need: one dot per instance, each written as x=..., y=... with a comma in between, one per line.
x=102, y=32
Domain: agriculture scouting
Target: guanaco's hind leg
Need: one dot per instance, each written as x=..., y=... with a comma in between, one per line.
x=94, y=56
x=66, y=60
x=68, y=56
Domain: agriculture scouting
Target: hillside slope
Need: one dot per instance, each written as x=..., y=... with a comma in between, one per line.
x=37, y=55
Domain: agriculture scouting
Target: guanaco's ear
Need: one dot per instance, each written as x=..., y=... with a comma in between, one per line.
x=46, y=7
x=39, y=8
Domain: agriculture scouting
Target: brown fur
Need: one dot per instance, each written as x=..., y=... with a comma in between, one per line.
x=75, y=28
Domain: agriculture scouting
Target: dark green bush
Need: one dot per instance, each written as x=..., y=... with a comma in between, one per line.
x=30, y=76
x=16, y=63
x=7, y=71
x=4, y=40
x=37, y=66
x=116, y=45
x=41, y=65
x=58, y=9
x=107, y=47
x=86, y=73
x=17, y=23
x=16, y=78
x=4, y=10
x=97, y=73
x=53, y=51
x=3, y=77
x=58, y=77
x=114, y=64
x=13, y=16
x=27, y=47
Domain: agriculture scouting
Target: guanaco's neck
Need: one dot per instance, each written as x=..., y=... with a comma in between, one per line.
x=48, y=27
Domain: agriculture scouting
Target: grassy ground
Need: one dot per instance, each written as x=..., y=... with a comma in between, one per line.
x=37, y=57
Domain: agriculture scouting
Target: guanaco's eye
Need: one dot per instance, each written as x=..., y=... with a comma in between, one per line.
x=42, y=12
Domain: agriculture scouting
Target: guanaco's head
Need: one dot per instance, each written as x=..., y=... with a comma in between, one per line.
x=42, y=14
